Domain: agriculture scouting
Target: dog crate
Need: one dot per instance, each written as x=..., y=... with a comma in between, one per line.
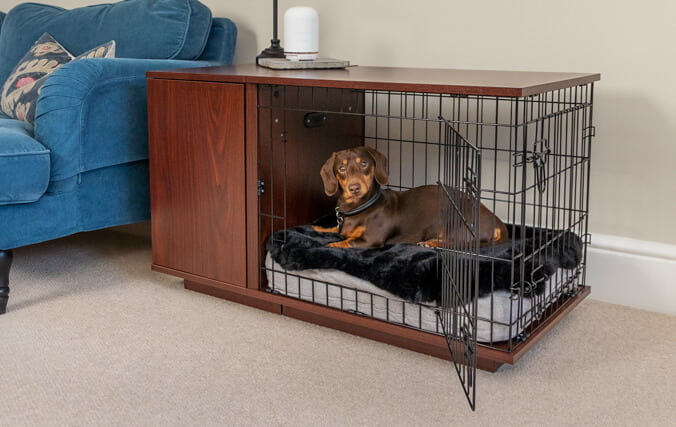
x=526, y=157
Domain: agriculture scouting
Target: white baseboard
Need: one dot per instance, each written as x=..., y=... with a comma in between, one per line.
x=632, y=272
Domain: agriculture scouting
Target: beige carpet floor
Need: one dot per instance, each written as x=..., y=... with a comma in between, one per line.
x=94, y=337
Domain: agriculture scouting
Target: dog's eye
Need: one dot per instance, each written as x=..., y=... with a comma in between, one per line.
x=342, y=169
x=364, y=164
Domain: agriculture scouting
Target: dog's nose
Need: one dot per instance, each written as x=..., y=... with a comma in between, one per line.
x=354, y=188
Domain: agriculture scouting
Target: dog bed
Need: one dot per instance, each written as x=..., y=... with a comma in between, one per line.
x=399, y=283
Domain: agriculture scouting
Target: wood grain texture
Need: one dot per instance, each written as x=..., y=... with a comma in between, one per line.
x=196, y=143
x=448, y=81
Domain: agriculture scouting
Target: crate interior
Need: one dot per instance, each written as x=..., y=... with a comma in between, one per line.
x=534, y=172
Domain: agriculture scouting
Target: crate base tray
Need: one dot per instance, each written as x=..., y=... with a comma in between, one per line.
x=488, y=359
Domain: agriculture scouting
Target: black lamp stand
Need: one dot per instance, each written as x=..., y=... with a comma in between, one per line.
x=275, y=50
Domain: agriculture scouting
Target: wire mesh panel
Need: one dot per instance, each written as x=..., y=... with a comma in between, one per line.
x=461, y=184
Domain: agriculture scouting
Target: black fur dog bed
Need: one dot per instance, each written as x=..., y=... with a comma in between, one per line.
x=411, y=271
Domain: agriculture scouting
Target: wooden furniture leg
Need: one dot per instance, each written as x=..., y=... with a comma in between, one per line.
x=5, y=264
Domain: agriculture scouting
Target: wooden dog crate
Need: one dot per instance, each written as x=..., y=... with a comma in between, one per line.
x=235, y=154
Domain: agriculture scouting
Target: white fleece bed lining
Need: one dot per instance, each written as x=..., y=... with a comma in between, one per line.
x=360, y=296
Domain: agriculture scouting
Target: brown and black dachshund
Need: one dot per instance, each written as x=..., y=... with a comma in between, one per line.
x=370, y=217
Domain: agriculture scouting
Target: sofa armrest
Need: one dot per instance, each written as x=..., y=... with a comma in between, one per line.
x=91, y=113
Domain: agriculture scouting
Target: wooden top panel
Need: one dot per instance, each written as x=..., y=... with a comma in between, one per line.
x=464, y=82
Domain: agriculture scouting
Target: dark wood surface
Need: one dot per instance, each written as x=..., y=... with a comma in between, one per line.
x=197, y=178
x=253, y=251
x=291, y=155
x=468, y=82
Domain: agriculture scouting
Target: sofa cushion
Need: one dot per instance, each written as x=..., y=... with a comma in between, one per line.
x=151, y=29
x=21, y=90
x=24, y=163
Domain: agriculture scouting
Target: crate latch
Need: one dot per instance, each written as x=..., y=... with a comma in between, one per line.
x=538, y=157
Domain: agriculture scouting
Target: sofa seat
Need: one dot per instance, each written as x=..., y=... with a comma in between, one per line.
x=24, y=163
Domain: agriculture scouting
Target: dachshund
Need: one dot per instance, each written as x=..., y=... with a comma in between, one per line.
x=370, y=217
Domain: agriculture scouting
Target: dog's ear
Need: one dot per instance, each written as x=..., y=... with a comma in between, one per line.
x=329, y=179
x=382, y=177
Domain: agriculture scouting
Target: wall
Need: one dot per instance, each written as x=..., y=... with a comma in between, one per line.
x=631, y=45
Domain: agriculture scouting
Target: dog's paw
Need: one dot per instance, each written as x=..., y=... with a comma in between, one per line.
x=341, y=244
x=320, y=229
x=432, y=243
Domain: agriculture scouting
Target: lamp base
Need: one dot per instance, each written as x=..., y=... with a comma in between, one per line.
x=274, y=51
x=319, y=63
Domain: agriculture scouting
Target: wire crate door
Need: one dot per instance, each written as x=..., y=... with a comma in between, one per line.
x=459, y=255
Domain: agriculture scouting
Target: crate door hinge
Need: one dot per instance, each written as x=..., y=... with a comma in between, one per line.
x=589, y=132
x=261, y=187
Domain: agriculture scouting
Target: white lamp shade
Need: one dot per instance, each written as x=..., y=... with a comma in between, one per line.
x=301, y=33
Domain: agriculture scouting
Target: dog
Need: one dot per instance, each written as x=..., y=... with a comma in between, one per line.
x=369, y=216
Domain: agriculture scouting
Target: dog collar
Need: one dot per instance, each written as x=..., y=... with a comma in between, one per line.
x=340, y=215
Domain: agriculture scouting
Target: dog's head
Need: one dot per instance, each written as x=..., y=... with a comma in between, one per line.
x=354, y=171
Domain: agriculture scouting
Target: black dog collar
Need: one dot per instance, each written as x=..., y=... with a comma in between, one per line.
x=340, y=215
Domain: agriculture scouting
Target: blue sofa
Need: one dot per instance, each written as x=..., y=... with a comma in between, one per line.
x=83, y=165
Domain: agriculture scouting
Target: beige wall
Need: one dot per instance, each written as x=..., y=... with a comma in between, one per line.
x=630, y=43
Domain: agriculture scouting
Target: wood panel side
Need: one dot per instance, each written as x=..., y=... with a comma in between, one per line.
x=197, y=181
x=252, y=201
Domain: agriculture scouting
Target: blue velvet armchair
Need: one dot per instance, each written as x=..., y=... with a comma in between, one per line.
x=82, y=165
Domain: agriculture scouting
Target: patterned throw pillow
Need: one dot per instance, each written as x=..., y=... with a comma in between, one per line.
x=22, y=88
x=45, y=56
